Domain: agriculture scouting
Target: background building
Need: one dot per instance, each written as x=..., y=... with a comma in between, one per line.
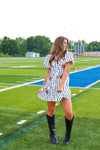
x=32, y=54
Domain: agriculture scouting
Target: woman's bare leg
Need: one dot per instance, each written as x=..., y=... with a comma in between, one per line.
x=51, y=108
x=67, y=107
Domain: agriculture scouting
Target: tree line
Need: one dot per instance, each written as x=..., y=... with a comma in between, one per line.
x=38, y=44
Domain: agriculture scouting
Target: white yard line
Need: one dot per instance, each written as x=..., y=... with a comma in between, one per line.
x=13, y=87
x=41, y=111
x=3, y=86
x=21, y=122
x=9, y=83
x=22, y=66
x=80, y=90
x=73, y=94
x=21, y=74
x=1, y=133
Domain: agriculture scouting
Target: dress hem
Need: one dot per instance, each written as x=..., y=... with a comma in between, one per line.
x=54, y=100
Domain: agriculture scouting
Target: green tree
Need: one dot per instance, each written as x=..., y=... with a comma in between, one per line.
x=39, y=44
x=85, y=45
x=13, y=49
x=43, y=45
x=94, y=46
x=22, y=45
x=9, y=46
x=30, y=43
x=5, y=45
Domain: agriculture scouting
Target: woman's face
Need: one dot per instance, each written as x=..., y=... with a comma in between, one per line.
x=65, y=44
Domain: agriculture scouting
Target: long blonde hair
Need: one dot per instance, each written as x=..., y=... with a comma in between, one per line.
x=57, y=49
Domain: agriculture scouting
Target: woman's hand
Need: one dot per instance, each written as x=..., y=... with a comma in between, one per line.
x=40, y=90
x=59, y=90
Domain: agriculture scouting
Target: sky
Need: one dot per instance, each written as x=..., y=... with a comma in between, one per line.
x=74, y=19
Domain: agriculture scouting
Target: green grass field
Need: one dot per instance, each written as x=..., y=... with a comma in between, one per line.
x=22, y=103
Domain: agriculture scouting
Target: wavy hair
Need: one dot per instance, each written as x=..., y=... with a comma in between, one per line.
x=57, y=49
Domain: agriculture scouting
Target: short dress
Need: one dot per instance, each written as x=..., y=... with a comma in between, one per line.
x=48, y=92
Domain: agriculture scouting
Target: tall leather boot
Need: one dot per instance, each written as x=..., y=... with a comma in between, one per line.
x=68, y=130
x=51, y=124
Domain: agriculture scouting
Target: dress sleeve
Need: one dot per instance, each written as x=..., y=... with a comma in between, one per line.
x=46, y=62
x=69, y=58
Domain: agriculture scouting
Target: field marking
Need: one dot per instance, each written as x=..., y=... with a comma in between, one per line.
x=13, y=87
x=8, y=84
x=85, y=93
x=23, y=69
x=23, y=75
x=41, y=111
x=73, y=94
x=93, y=84
x=21, y=132
x=21, y=122
x=80, y=90
x=3, y=86
x=40, y=121
x=22, y=66
x=44, y=70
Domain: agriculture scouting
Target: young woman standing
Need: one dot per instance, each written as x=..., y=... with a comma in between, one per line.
x=56, y=86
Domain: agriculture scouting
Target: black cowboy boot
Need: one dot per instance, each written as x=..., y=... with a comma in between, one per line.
x=68, y=130
x=51, y=124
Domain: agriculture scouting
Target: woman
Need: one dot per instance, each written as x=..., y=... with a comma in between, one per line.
x=56, y=86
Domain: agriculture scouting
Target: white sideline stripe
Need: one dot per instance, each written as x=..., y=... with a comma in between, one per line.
x=93, y=84
x=1, y=133
x=41, y=111
x=21, y=122
x=13, y=87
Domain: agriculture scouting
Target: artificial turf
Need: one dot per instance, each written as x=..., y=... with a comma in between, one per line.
x=85, y=136
x=22, y=103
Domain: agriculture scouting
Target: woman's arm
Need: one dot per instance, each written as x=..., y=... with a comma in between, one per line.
x=46, y=76
x=45, y=79
x=64, y=76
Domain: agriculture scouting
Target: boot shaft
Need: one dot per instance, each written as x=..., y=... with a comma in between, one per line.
x=51, y=123
x=68, y=130
x=69, y=124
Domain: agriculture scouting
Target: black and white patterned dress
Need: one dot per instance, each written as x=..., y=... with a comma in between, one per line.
x=48, y=92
